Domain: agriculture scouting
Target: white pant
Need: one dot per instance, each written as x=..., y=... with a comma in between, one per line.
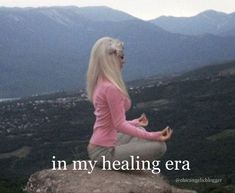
x=129, y=146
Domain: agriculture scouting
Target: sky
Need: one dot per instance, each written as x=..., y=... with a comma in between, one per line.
x=143, y=9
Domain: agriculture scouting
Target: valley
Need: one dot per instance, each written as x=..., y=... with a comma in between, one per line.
x=198, y=105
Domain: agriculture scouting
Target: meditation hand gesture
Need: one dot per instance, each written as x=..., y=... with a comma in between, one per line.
x=143, y=121
x=166, y=134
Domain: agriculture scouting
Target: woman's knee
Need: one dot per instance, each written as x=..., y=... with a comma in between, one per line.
x=163, y=148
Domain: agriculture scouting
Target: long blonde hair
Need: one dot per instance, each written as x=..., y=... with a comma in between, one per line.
x=104, y=62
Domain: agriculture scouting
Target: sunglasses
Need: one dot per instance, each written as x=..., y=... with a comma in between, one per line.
x=122, y=57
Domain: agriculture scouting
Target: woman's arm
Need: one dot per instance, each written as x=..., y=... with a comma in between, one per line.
x=115, y=100
x=134, y=122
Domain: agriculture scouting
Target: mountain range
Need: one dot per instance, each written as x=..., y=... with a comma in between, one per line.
x=47, y=49
x=207, y=22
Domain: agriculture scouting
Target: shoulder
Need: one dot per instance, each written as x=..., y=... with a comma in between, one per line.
x=112, y=89
x=106, y=85
x=106, y=88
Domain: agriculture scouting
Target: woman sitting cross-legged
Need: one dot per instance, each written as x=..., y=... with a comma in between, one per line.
x=113, y=136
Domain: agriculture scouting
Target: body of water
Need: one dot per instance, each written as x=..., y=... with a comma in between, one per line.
x=8, y=99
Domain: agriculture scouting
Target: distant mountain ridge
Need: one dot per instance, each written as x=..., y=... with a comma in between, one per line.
x=210, y=21
x=94, y=13
x=206, y=72
x=47, y=49
x=103, y=13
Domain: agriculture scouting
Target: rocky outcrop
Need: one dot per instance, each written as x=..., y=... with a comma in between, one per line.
x=100, y=181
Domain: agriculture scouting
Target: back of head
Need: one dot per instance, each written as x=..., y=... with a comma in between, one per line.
x=104, y=62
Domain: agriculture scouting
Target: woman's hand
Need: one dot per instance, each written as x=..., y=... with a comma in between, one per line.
x=143, y=121
x=166, y=134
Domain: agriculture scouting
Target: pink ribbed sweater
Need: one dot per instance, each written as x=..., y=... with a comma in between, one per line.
x=110, y=107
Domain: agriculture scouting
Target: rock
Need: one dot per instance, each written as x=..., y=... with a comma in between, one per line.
x=100, y=181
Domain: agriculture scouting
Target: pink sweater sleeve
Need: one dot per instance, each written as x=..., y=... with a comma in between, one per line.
x=134, y=122
x=115, y=100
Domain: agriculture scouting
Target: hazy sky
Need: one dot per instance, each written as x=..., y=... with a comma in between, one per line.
x=145, y=9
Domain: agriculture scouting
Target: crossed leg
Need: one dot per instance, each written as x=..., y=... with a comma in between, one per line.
x=132, y=146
